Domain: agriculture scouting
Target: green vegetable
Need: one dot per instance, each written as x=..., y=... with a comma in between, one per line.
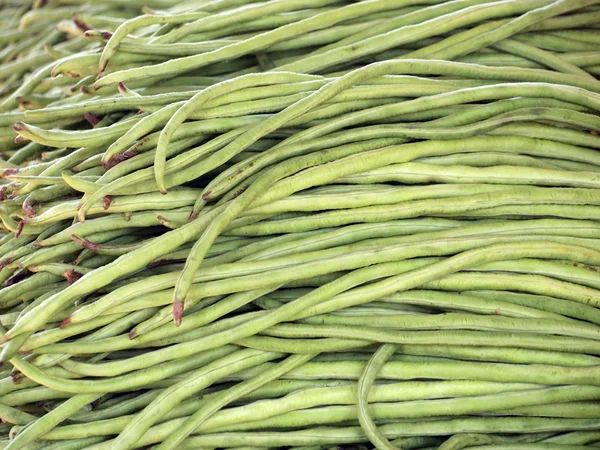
x=300, y=224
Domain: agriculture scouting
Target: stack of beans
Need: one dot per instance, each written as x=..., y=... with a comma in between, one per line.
x=300, y=224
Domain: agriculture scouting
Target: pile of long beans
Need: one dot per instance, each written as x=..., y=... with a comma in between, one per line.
x=303, y=224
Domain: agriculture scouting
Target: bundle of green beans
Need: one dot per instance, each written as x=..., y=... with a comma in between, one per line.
x=302, y=224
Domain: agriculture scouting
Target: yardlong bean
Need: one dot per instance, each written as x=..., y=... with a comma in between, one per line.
x=254, y=224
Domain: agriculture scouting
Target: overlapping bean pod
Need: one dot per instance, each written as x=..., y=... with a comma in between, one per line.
x=299, y=224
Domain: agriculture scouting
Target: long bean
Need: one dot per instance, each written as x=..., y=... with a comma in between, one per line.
x=40, y=426
x=348, y=435
x=250, y=224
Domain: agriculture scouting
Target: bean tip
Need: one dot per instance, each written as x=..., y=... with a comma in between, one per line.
x=9, y=171
x=19, y=126
x=65, y=322
x=106, y=201
x=117, y=158
x=207, y=196
x=133, y=334
x=106, y=164
x=80, y=23
x=177, y=311
x=28, y=208
x=72, y=276
x=20, y=228
x=89, y=245
x=16, y=376
x=163, y=221
x=92, y=119
x=163, y=191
